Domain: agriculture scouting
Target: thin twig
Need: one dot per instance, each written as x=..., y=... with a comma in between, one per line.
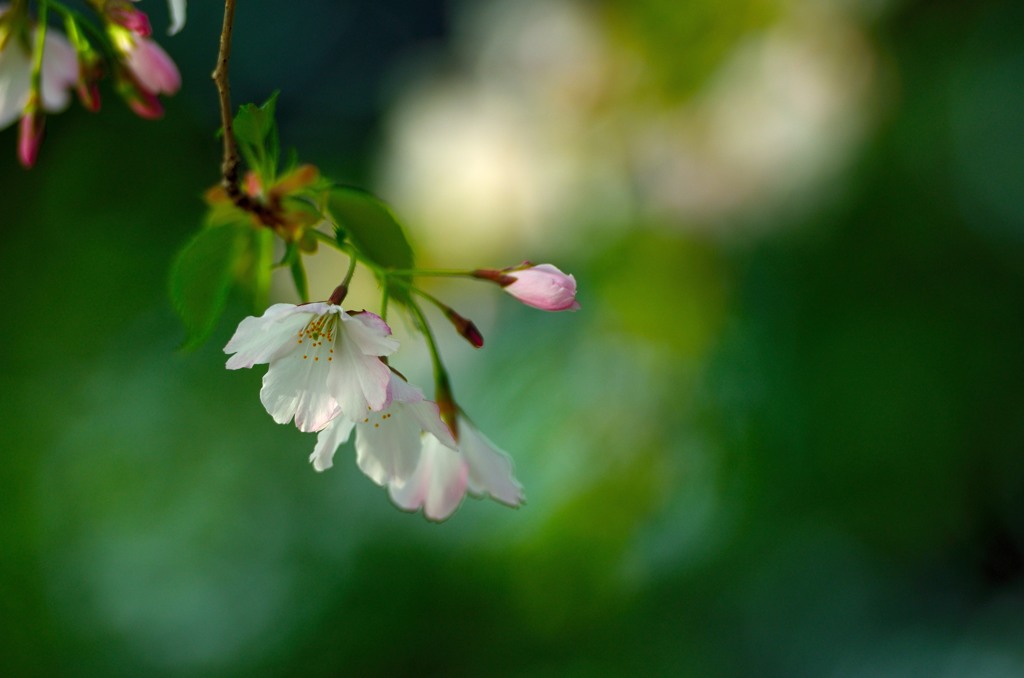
x=229, y=166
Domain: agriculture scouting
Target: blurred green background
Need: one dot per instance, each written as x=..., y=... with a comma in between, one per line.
x=784, y=436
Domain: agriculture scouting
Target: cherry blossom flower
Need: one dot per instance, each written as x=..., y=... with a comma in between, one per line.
x=542, y=286
x=408, y=448
x=388, y=442
x=322, y=360
x=146, y=69
x=441, y=478
x=60, y=73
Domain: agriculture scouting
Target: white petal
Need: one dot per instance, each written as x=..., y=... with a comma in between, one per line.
x=388, y=444
x=428, y=416
x=296, y=386
x=425, y=411
x=404, y=392
x=15, y=81
x=261, y=340
x=490, y=469
x=329, y=440
x=437, y=485
x=359, y=382
x=370, y=334
x=177, y=16
x=60, y=71
x=153, y=67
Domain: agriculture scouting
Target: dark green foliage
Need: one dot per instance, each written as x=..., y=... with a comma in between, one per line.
x=202, y=275
x=256, y=133
x=372, y=228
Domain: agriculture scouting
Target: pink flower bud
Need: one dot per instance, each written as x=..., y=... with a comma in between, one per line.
x=135, y=21
x=30, y=133
x=143, y=102
x=89, y=95
x=544, y=287
x=152, y=67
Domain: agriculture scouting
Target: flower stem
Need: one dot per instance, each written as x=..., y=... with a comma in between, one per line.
x=435, y=273
x=431, y=298
x=37, y=65
x=351, y=269
x=81, y=22
x=341, y=291
x=330, y=240
x=440, y=373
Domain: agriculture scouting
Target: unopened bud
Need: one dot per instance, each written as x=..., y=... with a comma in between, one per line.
x=30, y=135
x=146, y=106
x=465, y=327
x=143, y=102
x=89, y=95
x=252, y=184
x=135, y=21
x=90, y=71
x=542, y=286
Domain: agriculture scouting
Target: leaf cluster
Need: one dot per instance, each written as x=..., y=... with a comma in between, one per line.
x=235, y=251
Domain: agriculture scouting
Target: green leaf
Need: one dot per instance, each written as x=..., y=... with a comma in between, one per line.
x=371, y=227
x=256, y=133
x=202, y=275
x=254, y=123
x=223, y=213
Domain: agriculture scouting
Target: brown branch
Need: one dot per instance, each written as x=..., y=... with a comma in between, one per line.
x=229, y=166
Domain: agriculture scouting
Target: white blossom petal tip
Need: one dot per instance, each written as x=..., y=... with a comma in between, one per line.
x=437, y=485
x=443, y=476
x=491, y=472
x=177, y=8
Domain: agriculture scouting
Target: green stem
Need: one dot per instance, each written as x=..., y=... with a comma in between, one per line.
x=81, y=20
x=37, y=66
x=351, y=269
x=440, y=373
x=435, y=273
x=328, y=239
x=431, y=298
